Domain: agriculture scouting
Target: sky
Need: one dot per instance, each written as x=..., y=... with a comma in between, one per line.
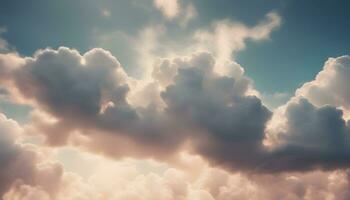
x=174, y=100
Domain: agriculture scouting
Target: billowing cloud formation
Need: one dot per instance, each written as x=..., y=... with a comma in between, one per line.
x=191, y=107
x=313, y=138
x=95, y=97
x=195, y=180
x=218, y=107
x=24, y=163
x=91, y=80
x=330, y=85
x=28, y=173
x=194, y=121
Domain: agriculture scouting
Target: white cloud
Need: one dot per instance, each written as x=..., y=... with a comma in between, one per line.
x=191, y=178
x=229, y=37
x=169, y=8
x=91, y=95
x=175, y=10
x=330, y=86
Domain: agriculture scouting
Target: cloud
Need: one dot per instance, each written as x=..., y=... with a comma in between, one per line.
x=223, y=39
x=311, y=131
x=175, y=10
x=314, y=138
x=209, y=114
x=9, y=62
x=229, y=37
x=89, y=94
x=330, y=85
x=192, y=179
x=89, y=101
x=216, y=106
x=86, y=93
x=195, y=117
x=23, y=163
x=169, y=8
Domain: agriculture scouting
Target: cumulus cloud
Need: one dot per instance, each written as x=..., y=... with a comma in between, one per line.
x=24, y=164
x=89, y=93
x=84, y=100
x=187, y=105
x=313, y=137
x=217, y=106
x=92, y=81
x=330, y=85
x=95, y=78
x=311, y=130
x=192, y=179
x=197, y=118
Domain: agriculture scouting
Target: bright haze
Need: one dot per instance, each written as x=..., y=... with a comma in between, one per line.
x=174, y=100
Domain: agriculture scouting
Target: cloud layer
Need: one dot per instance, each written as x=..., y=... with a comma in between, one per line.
x=29, y=172
x=192, y=108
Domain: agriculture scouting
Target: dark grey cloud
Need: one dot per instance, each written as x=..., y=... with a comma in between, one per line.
x=212, y=115
x=87, y=93
x=67, y=87
x=315, y=138
x=229, y=123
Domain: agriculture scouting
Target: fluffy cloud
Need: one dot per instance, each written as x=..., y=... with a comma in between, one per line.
x=69, y=86
x=189, y=106
x=217, y=107
x=314, y=137
x=86, y=92
x=84, y=100
x=330, y=85
x=198, y=119
x=23, y=164
x=310, y=131
x=89, y=94
x=125, y=181
x=192, y=179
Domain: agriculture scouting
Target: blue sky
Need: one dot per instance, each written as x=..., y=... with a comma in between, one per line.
x=311, y=31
